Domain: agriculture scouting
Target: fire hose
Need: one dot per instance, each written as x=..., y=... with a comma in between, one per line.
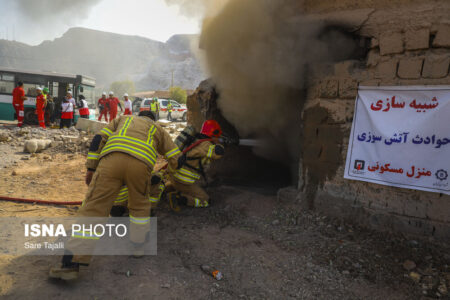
x=40, y=201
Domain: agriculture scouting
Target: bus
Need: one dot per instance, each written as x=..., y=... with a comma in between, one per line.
x=57, y=83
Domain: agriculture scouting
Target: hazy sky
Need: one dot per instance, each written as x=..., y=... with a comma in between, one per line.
x=32, y=21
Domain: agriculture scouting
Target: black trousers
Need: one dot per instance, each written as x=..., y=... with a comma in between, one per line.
x=65, y=123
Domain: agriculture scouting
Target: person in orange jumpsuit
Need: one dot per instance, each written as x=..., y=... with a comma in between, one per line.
x=18, y=98
x=113, y=103
x=40, y=107
x=103, y=104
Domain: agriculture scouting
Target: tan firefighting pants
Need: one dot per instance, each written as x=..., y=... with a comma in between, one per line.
x=196, y=196
x=113, y=171
x=154, y=196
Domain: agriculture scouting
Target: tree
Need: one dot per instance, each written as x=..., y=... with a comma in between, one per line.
x=178, y=94
x=121, y=87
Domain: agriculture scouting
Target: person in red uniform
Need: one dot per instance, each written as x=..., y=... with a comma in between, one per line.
x=83, y=107
x=113, y=103
x=103, y=104
x=40, y=107
x=18, y=98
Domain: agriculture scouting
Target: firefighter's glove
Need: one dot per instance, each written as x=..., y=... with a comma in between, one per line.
x=155, y=179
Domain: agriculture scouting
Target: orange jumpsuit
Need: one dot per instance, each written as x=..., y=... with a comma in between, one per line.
x=104, y=111
x=113, y=103
x=18, y=93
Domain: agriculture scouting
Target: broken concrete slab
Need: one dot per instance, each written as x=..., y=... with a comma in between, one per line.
x=90, y=125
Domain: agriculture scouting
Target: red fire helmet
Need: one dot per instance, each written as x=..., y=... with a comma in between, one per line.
x=211, y=128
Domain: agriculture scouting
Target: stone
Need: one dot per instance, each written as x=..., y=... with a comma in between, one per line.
x=373, y=58
x=374, y=43
x=33, y=146
x=391, y=43
x=328, y=88
x=415, y=276
x=410, y=68
x=436, y=66
x=387, y=69
x=409, y=265
x=348, y=88
x=442, y=38
x=417, y=39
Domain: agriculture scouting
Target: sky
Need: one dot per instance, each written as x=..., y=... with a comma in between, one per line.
x=33, y=21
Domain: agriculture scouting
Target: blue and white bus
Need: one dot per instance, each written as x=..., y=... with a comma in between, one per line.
x=57, y=83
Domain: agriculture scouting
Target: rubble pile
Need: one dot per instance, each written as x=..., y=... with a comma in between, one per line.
x=67, y=140
x=55, y=140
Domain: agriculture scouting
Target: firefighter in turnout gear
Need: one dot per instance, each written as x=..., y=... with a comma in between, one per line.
x=123, y=153
x=195, y=158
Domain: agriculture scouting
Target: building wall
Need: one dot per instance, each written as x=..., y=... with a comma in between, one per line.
x=409, y=45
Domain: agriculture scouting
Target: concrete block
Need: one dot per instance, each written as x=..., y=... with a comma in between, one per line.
x=442, y=38
x=374, y=43
x=391, y=43
x=387, y=69
x=410, y=68
x=348, y=88
x=417, y=39
x=328, y=88
x=373, y=58
x=90, y=125
x=439, y=209
x=35, y=145
x=436, y=66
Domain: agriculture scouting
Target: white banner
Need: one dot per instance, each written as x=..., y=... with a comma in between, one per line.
x=401, y=137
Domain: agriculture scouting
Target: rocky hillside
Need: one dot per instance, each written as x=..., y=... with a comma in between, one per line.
x=109, y=57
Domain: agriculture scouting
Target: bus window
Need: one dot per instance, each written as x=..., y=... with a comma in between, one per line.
x=6, y=87
x=30, y=89
x=55, y=89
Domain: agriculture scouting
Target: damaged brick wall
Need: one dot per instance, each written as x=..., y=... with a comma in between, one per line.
x=404, y=50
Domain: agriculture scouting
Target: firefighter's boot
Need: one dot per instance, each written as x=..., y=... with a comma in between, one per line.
x=68, y=270
x=176, y=200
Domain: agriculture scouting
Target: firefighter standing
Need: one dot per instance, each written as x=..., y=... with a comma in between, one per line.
x=18, y=99
x=103, y=104
x=169, y=111
x=123, y=153
x=191, y=168
x=113, y=103
x=127, y=105
x=40, y=107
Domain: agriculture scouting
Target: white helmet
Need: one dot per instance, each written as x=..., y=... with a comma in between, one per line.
x=111, y=93
x=125, y=95
x=104, y=93
x=69, y=92
x=39, y=88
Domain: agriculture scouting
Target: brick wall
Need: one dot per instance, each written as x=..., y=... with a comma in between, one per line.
x=404, y=50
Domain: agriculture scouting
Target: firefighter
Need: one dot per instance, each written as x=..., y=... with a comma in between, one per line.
x=169, y=111
x=154, y=107
x=18, y=99
x=123, y=153
x=113, y=103
x=191, y=168
x=103, y=107
x=40, y=107
x=127, y=105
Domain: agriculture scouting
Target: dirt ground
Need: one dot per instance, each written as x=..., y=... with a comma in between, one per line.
x=266, y=250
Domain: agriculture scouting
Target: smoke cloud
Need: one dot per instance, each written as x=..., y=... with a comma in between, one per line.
x=32, y=21
x=260, y=54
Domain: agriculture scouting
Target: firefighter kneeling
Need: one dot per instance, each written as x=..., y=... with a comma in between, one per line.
x=123, y=153
x=197, y=154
